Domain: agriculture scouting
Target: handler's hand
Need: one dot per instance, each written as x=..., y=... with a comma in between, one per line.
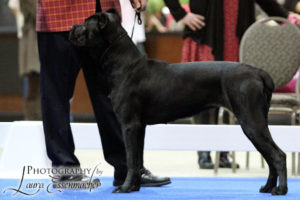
x=138, y=5
x=296, y=17
x=194, y=21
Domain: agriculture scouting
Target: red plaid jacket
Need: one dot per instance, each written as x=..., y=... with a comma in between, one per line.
x=60, y=15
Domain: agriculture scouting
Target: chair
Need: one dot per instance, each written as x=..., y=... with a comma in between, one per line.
x=275, y=48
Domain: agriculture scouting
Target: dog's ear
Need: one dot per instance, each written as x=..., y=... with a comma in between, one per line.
x=116, y=12
x=103, y=20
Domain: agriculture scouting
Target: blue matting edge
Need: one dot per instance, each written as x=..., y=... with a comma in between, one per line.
x=180, y=189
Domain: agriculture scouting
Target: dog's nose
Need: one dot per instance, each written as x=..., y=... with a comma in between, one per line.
x=74, y=27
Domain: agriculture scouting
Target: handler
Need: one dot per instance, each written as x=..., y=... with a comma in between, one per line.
x=60, y=65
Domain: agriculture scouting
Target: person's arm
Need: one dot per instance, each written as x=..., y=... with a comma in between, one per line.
x=13, y=5
x=193, y=21
x=272, y=8
x=154, y=22
x=138, y=5
x=28, y=7
x=175, y=8
x=291, y=5
x=297, y=8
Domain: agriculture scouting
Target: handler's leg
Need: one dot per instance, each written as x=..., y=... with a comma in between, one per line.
x=58, y=75
x=110, y=132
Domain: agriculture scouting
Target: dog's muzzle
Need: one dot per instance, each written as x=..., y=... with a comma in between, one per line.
x=77, y=35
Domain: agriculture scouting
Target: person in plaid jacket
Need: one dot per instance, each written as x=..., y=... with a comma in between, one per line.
x=60, y=65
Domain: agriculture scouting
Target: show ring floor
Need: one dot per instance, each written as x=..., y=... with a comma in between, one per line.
x=193, y=188
x=188, y=181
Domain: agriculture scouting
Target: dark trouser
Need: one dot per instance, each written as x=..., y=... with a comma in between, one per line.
x=60, y=65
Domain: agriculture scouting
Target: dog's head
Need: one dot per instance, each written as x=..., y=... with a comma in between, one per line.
x=98, y=29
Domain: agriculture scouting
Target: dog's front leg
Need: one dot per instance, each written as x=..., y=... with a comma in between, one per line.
x=131, y=134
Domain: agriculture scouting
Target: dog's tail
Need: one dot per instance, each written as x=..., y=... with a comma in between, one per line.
x=268, y=86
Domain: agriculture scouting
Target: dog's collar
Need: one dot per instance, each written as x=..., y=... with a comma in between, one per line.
x=111, y=44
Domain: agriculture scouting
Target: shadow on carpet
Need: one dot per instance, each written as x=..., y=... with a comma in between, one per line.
x=180, y=189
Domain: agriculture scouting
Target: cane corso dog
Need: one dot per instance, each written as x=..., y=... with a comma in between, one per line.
x=145, y=91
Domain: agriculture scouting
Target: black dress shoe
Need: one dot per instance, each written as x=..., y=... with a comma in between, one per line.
x=225, y=162
x=75, y=182
x=204, y=160
x=150, y=180
x=147, y=180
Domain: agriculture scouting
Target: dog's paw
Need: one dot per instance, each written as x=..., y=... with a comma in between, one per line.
x=279, y=190
x=126, y=189
x=266, y=189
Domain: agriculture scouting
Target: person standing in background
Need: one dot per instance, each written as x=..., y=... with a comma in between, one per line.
x=29, y=65
x=213, y=30
x=130, y=23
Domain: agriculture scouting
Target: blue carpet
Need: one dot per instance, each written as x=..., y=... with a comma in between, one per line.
x=180, y=189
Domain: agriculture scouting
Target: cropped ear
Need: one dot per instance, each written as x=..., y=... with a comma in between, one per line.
x=116, y=12
x=103, y=20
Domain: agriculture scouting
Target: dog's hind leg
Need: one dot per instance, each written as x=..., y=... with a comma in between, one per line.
x=131, y=134
x=250, y=108
x=260, y=137
x=141, y=138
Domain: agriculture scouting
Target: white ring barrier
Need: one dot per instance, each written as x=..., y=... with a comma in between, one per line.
x=4, y=129
x=23, y=142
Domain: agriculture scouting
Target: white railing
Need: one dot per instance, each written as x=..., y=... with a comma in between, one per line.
x=23, y=142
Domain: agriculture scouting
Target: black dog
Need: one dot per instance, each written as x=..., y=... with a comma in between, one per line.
x=145, y=91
